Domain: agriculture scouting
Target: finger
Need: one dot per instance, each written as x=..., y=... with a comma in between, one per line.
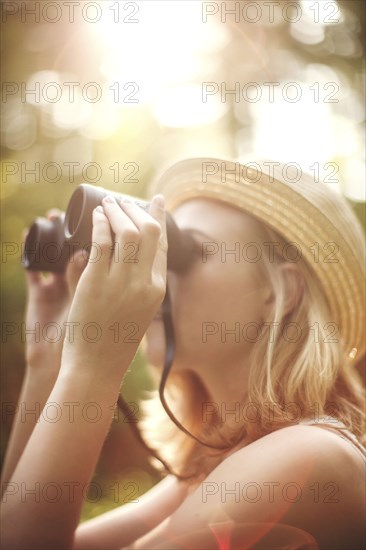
x=126, y=233
x=157, y=211
x=100, y=256
x=24, y=234
x=54, y=213
x=33, y=278
x=150, y=229
x=138, y=215
x=74, y=269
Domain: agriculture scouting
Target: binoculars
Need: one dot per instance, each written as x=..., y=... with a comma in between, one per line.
x=51, y=243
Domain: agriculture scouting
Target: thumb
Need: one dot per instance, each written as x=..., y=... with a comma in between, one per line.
x=74, y=270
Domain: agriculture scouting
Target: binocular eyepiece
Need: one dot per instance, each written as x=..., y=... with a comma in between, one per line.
x=51, y=243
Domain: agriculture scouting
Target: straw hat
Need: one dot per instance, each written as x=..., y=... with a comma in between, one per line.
x=300, y=210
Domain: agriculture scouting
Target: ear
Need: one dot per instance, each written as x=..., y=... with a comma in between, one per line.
x=294, y=285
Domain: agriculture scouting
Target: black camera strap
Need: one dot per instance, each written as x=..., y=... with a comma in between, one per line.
x=168, y=361
x=169, y=357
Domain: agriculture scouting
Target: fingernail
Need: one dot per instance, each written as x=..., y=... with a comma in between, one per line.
x=159, y=200
x=110, y=199
x=126, y=200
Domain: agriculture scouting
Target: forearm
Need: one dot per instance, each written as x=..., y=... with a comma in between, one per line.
x=58, y=462
x=36, y=388
x=128, y=523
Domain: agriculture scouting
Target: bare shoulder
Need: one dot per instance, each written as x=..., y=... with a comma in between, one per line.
x=304, y=442
x=312, y=458
x=303, y=476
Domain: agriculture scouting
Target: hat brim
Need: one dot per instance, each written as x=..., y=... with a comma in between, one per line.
x=302, y=212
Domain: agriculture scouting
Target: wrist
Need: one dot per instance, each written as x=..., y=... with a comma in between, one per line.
x=97, y=364
x=86, y=388
x=92, y=372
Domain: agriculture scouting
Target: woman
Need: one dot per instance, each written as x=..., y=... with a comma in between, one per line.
x=269, y=324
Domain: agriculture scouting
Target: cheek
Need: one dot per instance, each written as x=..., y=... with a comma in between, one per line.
x=222, y=294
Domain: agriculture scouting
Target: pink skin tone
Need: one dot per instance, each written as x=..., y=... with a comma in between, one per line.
x=127, y=292
x=218, y=290
x=215, y=291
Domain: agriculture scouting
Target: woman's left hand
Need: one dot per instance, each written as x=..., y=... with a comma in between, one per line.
x=121, y=288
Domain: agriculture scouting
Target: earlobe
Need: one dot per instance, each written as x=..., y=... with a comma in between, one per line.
x=269, y=302
x=294, y=286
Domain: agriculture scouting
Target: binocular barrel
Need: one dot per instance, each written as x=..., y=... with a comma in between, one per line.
x=51, y=243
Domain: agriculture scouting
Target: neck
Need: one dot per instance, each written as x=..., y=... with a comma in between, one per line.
x=227, y=389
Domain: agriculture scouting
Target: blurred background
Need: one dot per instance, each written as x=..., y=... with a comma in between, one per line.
x=111, y=93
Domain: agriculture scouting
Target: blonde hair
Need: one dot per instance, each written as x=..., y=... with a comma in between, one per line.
x=310, y=377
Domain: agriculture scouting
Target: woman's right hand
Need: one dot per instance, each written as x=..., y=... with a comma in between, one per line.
x=48, y=303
